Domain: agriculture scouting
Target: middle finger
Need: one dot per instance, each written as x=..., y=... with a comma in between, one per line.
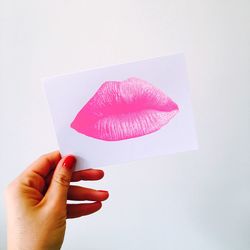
x=82, y=193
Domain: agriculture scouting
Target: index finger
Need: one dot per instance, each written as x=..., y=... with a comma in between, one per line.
x=45, y=164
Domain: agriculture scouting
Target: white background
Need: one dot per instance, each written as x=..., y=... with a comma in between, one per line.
x=195, y=200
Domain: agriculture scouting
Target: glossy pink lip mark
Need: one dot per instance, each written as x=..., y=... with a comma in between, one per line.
x=124, y=110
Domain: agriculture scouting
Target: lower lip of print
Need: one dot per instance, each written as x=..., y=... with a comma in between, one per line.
x=118, y=111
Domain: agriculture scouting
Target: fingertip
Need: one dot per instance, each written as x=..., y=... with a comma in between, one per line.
x=54, y=155
x=94, y=207
x=57, y=153
x=101, y=173
x=78, y=210
x=98, y=205
x=104, y=195
x=69, y=162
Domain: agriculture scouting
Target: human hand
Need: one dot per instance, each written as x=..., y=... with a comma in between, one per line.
x=36, y=202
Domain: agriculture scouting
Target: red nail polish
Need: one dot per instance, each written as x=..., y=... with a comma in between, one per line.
x=69, y=162
x=103, y=191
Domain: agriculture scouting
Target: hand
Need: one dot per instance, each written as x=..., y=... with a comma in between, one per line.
x=36, y=202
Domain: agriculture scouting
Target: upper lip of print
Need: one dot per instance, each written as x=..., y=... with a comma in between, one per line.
x=124, y=109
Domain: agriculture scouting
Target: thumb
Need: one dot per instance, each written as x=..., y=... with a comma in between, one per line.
x=58, y=189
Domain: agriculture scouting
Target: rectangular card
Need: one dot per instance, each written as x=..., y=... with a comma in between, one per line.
x=123, y=113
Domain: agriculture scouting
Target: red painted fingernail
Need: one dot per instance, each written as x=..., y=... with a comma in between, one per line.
x=103, y=191
x=69, y=162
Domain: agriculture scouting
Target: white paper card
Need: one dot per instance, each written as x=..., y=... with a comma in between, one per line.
x=124, y=112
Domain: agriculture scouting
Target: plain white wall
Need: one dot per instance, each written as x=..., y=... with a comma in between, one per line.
x=193, y=200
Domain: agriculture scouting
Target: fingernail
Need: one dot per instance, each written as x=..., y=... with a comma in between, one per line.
x=69, y=162
x=103, y=191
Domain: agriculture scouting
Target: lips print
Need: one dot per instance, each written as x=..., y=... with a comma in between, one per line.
x=124, y=110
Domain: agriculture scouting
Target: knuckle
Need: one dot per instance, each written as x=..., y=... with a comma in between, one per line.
x=63, y=180
x=29, y=180
x=44, y=159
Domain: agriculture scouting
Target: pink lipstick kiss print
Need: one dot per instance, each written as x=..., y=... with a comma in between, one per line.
x=122, y=110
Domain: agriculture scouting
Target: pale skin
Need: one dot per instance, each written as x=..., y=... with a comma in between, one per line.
x=37, y=202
